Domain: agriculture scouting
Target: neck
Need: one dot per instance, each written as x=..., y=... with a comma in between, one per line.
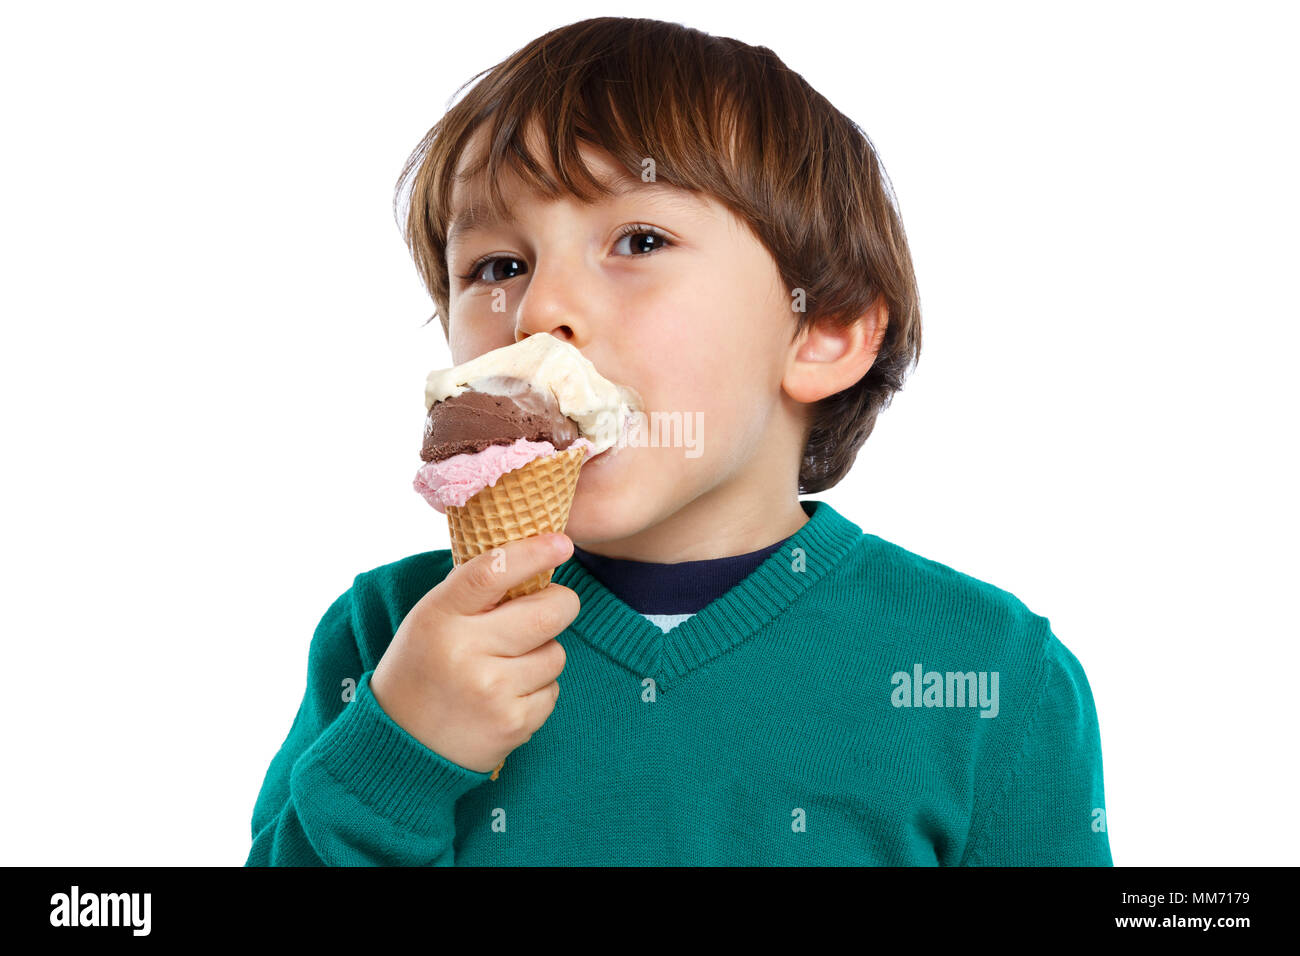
x=730, y=519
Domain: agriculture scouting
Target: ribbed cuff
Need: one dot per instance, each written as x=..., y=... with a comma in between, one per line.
x=384, y=768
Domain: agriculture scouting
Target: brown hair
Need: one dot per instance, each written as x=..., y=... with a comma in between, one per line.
x=718, y=116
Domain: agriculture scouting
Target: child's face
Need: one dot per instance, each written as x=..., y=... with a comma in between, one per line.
x=700, y=325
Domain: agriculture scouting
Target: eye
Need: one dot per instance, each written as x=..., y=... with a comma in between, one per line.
x=476, y=271
x=511, y=264
x=637, y=229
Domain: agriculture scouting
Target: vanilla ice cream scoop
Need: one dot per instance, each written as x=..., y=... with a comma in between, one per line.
x=558, y=373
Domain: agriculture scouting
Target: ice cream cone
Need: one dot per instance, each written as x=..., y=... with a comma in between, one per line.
x=531, y=500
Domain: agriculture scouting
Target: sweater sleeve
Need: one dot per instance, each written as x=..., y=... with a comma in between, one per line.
x=349, y=786
x=1051, y=809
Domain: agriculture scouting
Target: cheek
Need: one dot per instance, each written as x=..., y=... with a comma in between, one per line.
x=720, y=416
x=685, y=346
x=676, y=373
x=459, y=341
x=698, y=349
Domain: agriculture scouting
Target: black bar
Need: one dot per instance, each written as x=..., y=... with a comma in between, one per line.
x=296, y=905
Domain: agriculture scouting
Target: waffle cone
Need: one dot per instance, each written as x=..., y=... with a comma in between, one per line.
x=531, y=500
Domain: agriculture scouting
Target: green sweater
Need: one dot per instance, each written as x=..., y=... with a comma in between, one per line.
x=848, y=703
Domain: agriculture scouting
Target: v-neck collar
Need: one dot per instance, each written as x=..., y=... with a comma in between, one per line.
x=624, y=635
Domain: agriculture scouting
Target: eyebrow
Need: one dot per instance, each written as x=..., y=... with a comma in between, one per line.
x=471, y=219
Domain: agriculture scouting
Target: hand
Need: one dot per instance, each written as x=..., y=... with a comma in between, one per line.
x=470, y=677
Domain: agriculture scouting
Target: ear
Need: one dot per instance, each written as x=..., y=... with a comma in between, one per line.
x=829, y=357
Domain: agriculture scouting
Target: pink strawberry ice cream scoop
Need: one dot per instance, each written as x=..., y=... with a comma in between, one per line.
x=454, y=480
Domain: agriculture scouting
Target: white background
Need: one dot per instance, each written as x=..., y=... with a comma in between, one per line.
x=214, y=359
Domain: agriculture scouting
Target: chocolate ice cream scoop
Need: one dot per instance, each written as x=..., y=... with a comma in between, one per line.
x=541, y=370
x=473, y=420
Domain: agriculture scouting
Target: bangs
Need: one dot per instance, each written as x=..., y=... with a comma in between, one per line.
x=656, y=125
x=520, y=159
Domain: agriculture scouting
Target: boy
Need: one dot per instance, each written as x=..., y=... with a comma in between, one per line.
x=749, y=679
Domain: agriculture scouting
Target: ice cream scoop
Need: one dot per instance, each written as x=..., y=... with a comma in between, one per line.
x=473, y=420
x=551, y=370
x=510, y=406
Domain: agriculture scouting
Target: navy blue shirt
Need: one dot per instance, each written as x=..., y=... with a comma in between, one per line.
x=668, y=594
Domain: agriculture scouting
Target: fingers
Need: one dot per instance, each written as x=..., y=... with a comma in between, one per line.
x=536, y=670
x=525, y=624
x=483, y=581
x=539, y=704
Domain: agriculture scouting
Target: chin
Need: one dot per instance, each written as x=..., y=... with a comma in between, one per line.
x=607, y=506
x=594, y=521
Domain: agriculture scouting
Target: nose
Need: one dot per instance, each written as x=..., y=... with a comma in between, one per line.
x=551, y=304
